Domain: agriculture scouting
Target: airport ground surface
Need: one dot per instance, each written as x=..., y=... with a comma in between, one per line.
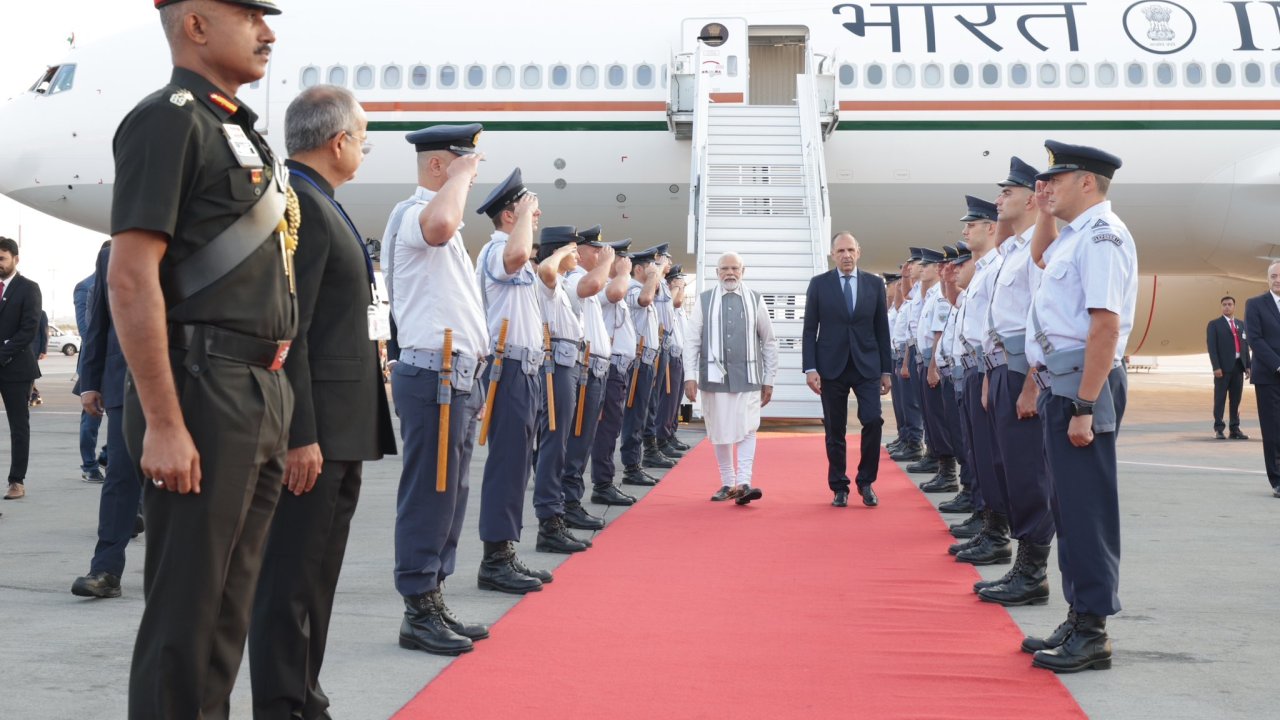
x=1195, y=640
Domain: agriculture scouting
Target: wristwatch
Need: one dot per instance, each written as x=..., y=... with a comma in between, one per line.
x=1080, y=407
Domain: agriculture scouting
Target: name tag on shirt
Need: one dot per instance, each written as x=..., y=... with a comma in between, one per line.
x=246, y=154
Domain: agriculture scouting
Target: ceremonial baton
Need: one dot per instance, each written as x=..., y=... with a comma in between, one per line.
x=666, y=367
x=495, y=375
x=582, y=390
x=444, y=397
x=635, y=373
x=550, y=367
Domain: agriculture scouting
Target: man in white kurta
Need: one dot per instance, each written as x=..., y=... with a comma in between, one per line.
x=731, y=353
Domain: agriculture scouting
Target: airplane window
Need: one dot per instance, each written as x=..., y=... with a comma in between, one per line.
x=310, y=76
x=1106, y=75
x=990, y=75
x=1275, y=74
x=732, y=66
x=338, y=75
x=848, y=75
x=664, y=76
x=391, y=76
x=644, y=76
x=961, y=76
x=1252, y=74
x=1048, y=75
x=904, y=76
x=1164, y=74
x=616, y=76
x=1193, y=74
x=559, y=76
x=63, y=80
x=1019, y=76
x=447, y=77
x=364, y=77
x=1078, y=74
x=1223, y=73
x=932, y=75
x=504, y=76
x=1136, y=74
x=419, y=76
x=475, y=76
x=41, y=85
x=531, y=76
x=875, y=76
x=588, y=76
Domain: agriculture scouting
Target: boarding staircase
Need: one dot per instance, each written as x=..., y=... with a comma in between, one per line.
x=759, y=189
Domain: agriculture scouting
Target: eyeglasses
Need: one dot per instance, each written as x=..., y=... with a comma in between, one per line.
x=365, y=146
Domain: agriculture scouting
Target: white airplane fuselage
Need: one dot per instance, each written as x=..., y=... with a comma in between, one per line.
x=1198, y=188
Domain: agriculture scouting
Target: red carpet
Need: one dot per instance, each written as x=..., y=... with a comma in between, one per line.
x=786, y=608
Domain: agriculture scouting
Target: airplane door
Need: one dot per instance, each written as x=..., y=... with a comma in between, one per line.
x=724, y=55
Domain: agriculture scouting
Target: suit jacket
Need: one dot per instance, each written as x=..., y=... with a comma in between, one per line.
x=19, y=324
x=340, y=401
x=102, y=363
x=1222, y=348
x=1262, y=326
x=833, y=339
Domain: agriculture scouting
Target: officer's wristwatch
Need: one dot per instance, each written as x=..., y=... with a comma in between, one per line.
x=1080, y=407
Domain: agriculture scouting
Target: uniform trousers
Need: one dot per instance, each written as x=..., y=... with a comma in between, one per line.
x=951, y=417
x=835, y=423
x=912, y=413
x=512, y=431
x=1268, y=398
x=1020, y=444
x=294, y=602
x=612, y=416
x=1086, y=505
x=659, y=397
x=989, y=469
x=548, y=492
x=429, y=523
x=895, y=395
x=204, y=551
x=118, y=504
x=636, y=416
x=968, y=472
x=578, y=446
x=1230, y=384
x=935, y=417
x=17, y=408
x=669, y=412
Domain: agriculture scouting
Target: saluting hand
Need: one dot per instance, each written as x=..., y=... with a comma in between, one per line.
x=1080, y=431
x=607, y=255
x=526, y=205
x=622, y=266
x=465, y=166
x=170, y=459
x=1042, y=196
x=301, y=468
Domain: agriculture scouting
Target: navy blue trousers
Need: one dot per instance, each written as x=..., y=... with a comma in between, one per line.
x=895, y=394
x=669, y=410
x=507, y=468
x=1021, y=447
x=634, y=418
x=968, y=472
x=658, y=398
x=935, y=417
x=429, y=523
x=612, y=413
x=578, y=447
x=118, y=505
x=988, y=467
x=912, y=413
x=835, y=423
x=1086, y=504
x=548, y=493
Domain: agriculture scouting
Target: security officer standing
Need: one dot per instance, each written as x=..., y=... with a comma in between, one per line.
x=622, y=338
x=1080, y=320
x=933, y=319
x=957, y=273
x=913, y=449
x=669, y=416
x=436, y=304
x=647, y=270
x=201, y=282
x=664, y=394
x=340, y=414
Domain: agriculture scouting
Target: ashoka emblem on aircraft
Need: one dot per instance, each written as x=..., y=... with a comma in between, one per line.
x=1162, y=27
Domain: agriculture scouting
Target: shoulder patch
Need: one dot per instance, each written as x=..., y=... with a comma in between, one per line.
x=1107, y=237
x=181, y=98
x=1102, y=223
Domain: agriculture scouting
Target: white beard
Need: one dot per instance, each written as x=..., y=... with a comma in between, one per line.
x=730, y=285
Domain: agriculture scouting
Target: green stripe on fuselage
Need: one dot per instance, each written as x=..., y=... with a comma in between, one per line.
x=849, y=125
x=530, y=125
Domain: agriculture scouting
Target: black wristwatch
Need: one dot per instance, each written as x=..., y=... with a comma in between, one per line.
x=1080, y=407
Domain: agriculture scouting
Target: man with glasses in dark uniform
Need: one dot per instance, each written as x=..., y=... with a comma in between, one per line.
x=201, y=281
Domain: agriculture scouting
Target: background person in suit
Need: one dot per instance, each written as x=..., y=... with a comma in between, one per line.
x=846, y=348
x=20, y=310
x=82, y=298
x=1229, y=355
x=39, y=348
x=1262, y=329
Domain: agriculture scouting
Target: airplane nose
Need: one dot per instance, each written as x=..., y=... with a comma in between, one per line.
x=13, y=149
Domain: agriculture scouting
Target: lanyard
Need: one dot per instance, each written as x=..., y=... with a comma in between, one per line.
x=368, y=261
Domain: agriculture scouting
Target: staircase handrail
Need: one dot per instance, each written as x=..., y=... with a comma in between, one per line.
x=815, y=169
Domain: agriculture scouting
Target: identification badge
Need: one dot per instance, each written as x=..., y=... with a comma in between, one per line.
x=380, y=321
x=246, y=154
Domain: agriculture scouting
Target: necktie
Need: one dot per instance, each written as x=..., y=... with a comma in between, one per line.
x=1235, y=335
x=1, y=288
x=848, y=294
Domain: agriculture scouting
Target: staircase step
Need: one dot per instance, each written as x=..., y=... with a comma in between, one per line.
x=754, y=140
x=789, y=134
x=715, y=190
x=754, y=111
x=770, y=241
x=756, y=121
x=742, y=223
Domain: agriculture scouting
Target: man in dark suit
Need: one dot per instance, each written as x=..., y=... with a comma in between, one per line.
x=102, y=371
x=20, y=308
x=90, y=472
x=340, y=412
x=847, y=348
x=1229, y=355
x=1262, y=329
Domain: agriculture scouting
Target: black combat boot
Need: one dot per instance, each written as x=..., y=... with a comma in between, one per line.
x=653, y=457
x=635, y=475
x=674, y=442
x=1030, y=585
x=994, y=546
x=947, y=480
x=971, y=526
x=497, y=571
x=908, y=452
x=1054, y=639
x=892, y=447
x=666, y=448
x=610, y=495
x=1019, y=559
x=471, y=631
x=927, y=464
x=577, y=517
x=1086, y=647
x=424, y=628
x=961, y=503
x=553, y=538
x=543, y=576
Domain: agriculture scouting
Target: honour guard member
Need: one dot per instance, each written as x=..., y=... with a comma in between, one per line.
x=443, y=339
x=892, y=285
x=513, y=296
x=201, y=277
x=920, y=317
x=340, y=414
x=1019, y=440
x=648, y=267
x=669, y=417
x=733, y=356
x=622, y=361
x=584, y=284
x=933, y=318
x=947, y=355
x=557, y=254
x=991, y=546
x=663, y=396
x=1080, y=320
x=908, y=317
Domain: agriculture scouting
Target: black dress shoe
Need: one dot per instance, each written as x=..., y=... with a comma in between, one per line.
x=497, y=571
x=1219, y=435
x=424, y=628
x=1053, y=639
x=139, y=526
x=97, y=585
x=1086, y=647
x=868, y=495
x=842, y=498
x=635, y=475
x=610, y=495
x=746, y=494
x=576, y=517
x=1237, y=435
x=722, y=494
x=471, y=631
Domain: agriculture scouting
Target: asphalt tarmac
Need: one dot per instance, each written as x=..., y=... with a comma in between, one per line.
x=1200, y=577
